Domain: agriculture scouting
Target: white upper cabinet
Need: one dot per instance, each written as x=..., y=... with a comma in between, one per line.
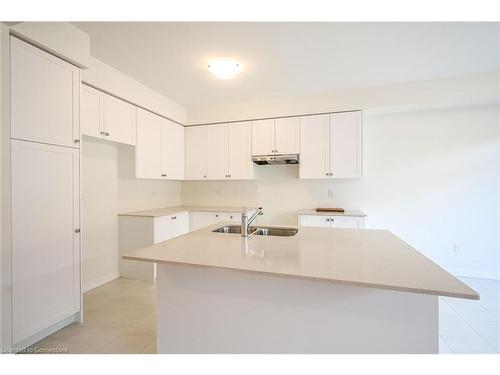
x=345, y=145
x=159, y=152
x=196, y=153
x=314, y=147
x=50, y=88
x=148, y=147
x=219, y=152
x=240, y=165
x=276, y=136
x=119, y=120
x=330, y=146
x=104, y=116
x=172, y=151
x=217, y=156
x=91, y=112
x=263, y=137
x=287, y=135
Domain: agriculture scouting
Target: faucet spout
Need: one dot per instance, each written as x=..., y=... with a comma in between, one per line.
x=246, y=221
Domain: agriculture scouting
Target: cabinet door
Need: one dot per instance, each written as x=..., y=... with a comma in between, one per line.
x=172, y=151
x=263, y=137
x=345, y=145
x=45, y=96
x=196, y=152
x=119, y=120
x=45, y=245
x=163, y=228
x=345, y=222
x=198, y=220
x=314, y=147
x=148, y=148
x=217, y=152
x=287, y=135
x=91, y=111
x=240, y=165
x=230, y=216
x=314, y=221
x=181, y=224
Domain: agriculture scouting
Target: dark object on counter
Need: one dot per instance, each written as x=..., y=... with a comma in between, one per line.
x=323, y=209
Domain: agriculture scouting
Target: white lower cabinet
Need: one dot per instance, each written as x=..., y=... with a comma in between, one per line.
x=198, y=219
x=136, y=232
x=45, y=237
x=332, y=221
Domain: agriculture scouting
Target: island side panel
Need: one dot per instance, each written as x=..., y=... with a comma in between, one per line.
x=208, y=310
x=135, y=232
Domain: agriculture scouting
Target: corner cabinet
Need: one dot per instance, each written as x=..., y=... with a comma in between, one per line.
x=159, y=151
x=136, y=232
x=330, y=146
x=106, y=117
x=219, y=152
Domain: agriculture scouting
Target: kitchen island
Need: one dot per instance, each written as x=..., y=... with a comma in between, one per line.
x=318, y=291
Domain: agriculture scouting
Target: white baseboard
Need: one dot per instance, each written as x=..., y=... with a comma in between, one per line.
x=46, y=332
x=89, y=285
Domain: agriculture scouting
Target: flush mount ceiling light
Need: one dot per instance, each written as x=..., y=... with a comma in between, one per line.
x=224, y=68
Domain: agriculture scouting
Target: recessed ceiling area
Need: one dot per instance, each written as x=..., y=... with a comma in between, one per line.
x=290, y=59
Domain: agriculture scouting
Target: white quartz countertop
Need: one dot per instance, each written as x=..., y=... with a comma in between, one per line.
x=176, y=209
x=360, y=257
x=312, y=211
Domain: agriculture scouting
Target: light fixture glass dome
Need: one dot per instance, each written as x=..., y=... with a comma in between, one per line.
x=224, y=68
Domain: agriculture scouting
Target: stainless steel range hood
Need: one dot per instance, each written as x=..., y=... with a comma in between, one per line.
x=276, y=159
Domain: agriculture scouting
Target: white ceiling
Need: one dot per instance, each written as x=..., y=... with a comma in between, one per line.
x=282, y=59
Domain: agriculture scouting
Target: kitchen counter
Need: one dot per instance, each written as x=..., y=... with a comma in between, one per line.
x=357, y=257
x=323, y=213
x=164, y=211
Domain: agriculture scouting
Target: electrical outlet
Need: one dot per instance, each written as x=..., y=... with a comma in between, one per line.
x=330, y=193
x=456, y=249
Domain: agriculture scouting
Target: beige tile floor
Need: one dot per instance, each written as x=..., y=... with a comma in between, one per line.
x=120, y=318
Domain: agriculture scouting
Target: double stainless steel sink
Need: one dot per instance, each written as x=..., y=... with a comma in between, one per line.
x=258, y=231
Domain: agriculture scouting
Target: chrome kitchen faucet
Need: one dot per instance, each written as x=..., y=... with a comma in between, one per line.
x=246, y=221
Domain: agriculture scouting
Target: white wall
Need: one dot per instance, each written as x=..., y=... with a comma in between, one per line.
x=432, y=177
x=439, y=93
x=105, y=194
x=115, y=82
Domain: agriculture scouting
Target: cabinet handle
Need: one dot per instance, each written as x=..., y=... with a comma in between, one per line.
x=174, y=217
x=102, y=133
x=106, y=134
x=229, y=175
x=76, y=141
x=164, y=175
x=77, y=230
x=216, y=215
x=204, y=176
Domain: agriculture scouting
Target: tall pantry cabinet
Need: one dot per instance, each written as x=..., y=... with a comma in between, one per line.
x=45, y=192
